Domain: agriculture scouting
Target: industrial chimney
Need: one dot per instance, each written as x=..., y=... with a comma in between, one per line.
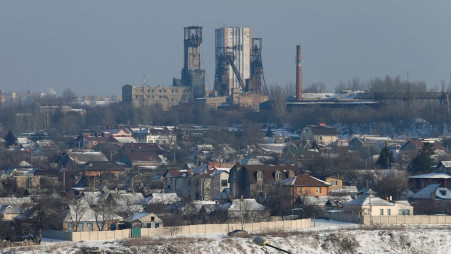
x=298, y=73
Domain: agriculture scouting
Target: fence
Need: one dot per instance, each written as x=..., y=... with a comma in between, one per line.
x=288, y=225
x=392, y=220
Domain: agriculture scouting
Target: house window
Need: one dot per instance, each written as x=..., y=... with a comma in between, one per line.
x=334, y=182
x=404, y=211
x=157, y=224
x=318, y=190
x=320, y=137
x=382, y=212
x=100, y=225
x=278, y=175
x=223, y=183
x=259, y=187
x=300, y=190
x=149, y=225
x=259, y=175
x=70, y=226
x=81, y=227
x=388, y=212
x=90, y=226
x=152, y=218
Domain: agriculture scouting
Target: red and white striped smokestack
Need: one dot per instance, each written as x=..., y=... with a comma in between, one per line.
x=298, y=73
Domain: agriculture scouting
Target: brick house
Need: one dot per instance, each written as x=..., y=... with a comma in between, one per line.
x=306, y=185
x=254, y=181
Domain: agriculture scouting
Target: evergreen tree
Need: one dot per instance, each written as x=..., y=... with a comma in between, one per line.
x=385, y=157
x=10, y=139
x=423, y=161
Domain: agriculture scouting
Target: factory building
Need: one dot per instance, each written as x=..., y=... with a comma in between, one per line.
x=165, y=96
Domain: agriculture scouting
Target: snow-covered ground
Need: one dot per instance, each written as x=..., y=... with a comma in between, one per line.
x=325, y=237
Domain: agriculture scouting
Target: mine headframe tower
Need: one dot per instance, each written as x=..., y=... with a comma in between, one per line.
x=192, y=73
x=226, y=59
x=256, y=83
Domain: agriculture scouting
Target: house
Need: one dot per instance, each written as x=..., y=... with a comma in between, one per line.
x=120, y=132
x=161, y=136
x=368, y=204
x=98, y=168
x=444, y=167
x=75, y=158
x=12, y=207
x=335, y=182
x=320, y=134
x=256, y=180
x=418, y=182
x=219, y=181
x=143, y=160
x=432, y=199
x=411, y=148
x=370, y=144
x=161, y=198
x=144, y=220
x=141, y=148
x=87, y=141
x=80, y=217
x=245, y=211
x=305, y=185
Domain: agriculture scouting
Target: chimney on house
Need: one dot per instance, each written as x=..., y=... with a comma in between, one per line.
x=298, y=73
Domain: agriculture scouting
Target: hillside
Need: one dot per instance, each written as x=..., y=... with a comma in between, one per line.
x=409, y=239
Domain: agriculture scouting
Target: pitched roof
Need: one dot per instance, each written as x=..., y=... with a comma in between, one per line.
x=102, y=166
x=418, y=143
x=161, y=198
x=305, y=180
x=427, y=192
x=143, y=156
x=365, y=199
x=173, y=173
x=141, y=147
x=245, y=204
x=83, y=157
x=432, y=175
x=268, y=172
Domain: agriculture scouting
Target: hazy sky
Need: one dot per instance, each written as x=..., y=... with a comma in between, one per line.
x=95, y=47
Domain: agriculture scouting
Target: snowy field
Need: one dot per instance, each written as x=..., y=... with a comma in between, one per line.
x=325, y=237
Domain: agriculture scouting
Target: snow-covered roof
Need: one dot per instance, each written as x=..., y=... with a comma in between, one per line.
x=83, y=212
x=83, y=157
x=427, y=192
x=275, y=148
x=24, y=164
x=446, y=164
x=161, y=198
x=245, y=204
x=433, y=175
x=433, y=191
x=364, y=200
x=14, y=200
x=250, y=161
x=219, y=171
x=126, y=140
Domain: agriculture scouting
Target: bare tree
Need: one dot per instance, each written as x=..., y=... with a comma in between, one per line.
x=76, y=211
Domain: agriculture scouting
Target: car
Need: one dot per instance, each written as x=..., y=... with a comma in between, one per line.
x=238, y=233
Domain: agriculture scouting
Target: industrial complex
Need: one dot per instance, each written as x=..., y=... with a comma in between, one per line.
x=239, y=79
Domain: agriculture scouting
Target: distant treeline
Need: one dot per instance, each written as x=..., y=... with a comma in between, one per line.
x=32, y=117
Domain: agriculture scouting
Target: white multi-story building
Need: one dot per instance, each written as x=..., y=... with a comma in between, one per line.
x=239, y=41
